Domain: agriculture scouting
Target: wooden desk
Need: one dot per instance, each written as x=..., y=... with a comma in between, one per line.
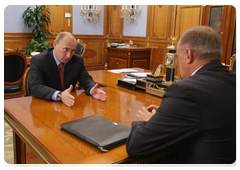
x=39, y=139
x=106, y=78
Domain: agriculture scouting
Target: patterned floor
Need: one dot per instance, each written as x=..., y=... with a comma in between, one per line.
x=8, y=144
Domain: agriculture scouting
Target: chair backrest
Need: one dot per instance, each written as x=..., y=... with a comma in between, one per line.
x=81, y=46
x=15, y=64
x=235, y=65
x=25, y=82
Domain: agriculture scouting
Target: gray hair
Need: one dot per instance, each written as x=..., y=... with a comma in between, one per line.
x=204, y=41
x=61, y=35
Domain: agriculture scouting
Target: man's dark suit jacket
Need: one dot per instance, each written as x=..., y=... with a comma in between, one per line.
x=44, y=77
x=197, y=115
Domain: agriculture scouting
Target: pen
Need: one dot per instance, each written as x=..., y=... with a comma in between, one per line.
x=154, y=69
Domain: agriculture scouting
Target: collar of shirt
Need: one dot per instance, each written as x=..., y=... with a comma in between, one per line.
x=196, y=71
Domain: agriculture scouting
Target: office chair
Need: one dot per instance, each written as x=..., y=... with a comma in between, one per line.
x=80, y=49
x=15, y=64
x=81, y=46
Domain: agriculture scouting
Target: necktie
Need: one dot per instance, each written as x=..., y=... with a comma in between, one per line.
x=61, y=74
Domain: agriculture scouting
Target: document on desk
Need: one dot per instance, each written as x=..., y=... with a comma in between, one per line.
x=123, y=71
x=100, y=132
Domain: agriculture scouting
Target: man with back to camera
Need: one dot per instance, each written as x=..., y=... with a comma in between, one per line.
x=45, y=77
x=198, y=113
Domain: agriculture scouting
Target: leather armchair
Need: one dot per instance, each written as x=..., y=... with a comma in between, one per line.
x=80, y=49
x=81, y=46
x=15, y=64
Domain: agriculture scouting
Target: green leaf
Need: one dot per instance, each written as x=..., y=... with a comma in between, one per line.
x=45, y=43
x=36, y=18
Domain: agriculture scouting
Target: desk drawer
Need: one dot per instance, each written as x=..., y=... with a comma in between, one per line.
x=141, y=63
x=112, y=53
x=117, y=63
x=122, y=54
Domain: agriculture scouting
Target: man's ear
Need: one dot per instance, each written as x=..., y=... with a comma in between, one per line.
x=54, y=44
x=190, y=55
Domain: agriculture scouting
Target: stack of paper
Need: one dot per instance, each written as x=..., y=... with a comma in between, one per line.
x=123, y=71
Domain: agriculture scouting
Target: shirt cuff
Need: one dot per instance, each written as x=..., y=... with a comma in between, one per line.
x=54, y=96
x=90, y=91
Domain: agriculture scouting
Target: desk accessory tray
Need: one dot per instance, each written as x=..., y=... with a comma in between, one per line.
x=153, y=88
x=155, y=79
x=157, y=89
x=141, y=83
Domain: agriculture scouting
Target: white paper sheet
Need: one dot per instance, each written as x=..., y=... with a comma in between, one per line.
x=123, y=71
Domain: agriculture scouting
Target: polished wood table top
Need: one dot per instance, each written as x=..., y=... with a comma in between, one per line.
x=107, y=78
x=41, y=119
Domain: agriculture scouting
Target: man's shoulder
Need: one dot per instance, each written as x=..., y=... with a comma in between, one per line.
x=42, y=58
x=189, y=83
x=43, y=54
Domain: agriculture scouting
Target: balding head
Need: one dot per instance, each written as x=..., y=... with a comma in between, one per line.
x=204, y=41
x=61, y=35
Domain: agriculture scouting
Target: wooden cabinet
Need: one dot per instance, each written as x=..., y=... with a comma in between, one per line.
x=128, y=57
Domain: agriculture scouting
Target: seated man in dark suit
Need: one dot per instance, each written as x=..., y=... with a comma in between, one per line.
x=198, y=113
x=54, y=72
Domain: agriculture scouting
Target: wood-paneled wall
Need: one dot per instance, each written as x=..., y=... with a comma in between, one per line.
x=16, y=41
x=163, y=21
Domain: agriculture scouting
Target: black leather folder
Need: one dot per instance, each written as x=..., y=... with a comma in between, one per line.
x=100, y=132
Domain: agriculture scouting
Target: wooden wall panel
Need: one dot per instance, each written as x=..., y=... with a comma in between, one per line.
x=160, y=22
x=58, y=22
x=94, y=54
x=187, y=17
x=115, y=22
x=16, y=40
x=158, y=55
x=68, y=21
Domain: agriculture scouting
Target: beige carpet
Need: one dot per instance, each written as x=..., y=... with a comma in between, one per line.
x=8, y=144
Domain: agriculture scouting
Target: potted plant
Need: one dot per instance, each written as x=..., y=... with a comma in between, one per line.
x=37, y=18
